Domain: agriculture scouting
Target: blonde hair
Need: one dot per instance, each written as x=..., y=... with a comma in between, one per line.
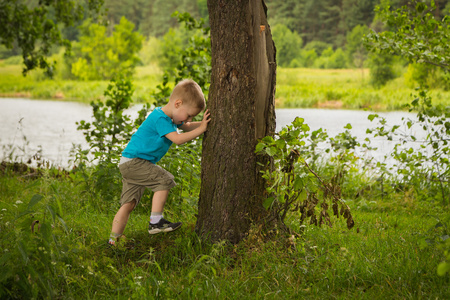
x=189, y=92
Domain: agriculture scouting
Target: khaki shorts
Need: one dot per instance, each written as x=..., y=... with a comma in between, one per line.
x=139, y=174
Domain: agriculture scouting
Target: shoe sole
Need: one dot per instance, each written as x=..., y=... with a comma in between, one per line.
x=158, y=230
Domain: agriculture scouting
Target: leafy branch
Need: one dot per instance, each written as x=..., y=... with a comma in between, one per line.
x=292, y=184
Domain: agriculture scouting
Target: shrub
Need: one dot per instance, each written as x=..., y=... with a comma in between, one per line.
x=381, y=69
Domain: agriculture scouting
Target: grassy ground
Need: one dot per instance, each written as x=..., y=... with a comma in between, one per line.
x=391, y=252
x=344, y=89
x=295, y=88
x=13, y=84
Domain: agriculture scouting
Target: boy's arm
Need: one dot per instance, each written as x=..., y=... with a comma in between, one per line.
x=189, y=126
x=181, y=138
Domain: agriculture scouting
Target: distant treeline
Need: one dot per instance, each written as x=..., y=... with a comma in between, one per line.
x=324, y=34
x=327, y=21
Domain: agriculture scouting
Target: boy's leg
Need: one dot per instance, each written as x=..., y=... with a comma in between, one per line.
x=158, y=202
x=157, y=222
x=120, y=221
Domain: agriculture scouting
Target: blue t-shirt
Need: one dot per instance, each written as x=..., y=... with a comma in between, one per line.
x=149, y=141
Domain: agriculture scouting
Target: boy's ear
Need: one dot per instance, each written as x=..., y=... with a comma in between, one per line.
x=178, y=103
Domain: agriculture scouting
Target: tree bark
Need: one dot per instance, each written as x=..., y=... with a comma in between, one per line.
x=241, y=102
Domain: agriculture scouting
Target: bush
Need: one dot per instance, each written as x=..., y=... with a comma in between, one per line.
x=107, y=136
x=318, y=46
x=381, y=69
x=331, y=59
x=13, y=60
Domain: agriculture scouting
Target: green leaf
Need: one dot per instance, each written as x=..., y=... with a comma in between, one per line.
x=348, y=126
x=34, y=200
x=22, y=251
x=281, y=144
x=268, y=202
x=52, y=212
x=371, y=117
x=259, y=147
x=271, y=151
x=298, y=122
x=298, y=183
x=305, y=127
x=268, y=140
x=63, y=223
x=443, y=268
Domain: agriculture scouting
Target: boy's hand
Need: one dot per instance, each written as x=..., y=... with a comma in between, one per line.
x=205, y=120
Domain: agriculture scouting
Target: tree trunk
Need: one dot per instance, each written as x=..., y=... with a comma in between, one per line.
x=241, y=102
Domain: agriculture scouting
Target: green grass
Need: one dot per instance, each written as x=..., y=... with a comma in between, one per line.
x=391, y=252
x=348, y=88
x=13, y=84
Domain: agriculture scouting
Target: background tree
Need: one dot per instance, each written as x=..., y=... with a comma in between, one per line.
x=288, y=44
x=241, y=101
x=103, y=57
x=36, y=26
x=418, y=36
x=355, y=50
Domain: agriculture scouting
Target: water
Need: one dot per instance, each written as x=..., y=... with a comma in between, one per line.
x=48, y=127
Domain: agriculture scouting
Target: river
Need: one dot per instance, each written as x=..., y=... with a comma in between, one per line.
x=48, y=127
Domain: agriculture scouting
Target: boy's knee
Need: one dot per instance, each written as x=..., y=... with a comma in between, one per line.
x=130, y=205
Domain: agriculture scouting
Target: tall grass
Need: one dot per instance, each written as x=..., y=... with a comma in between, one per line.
x=389, y=254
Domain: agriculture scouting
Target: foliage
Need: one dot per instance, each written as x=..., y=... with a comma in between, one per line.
x=151, y=51
x=196, y=55
x=288, y=44
x=381, y=69
x=36, y=28
x=426, y=168
x=355, y=50
x=111, y=129
x=195, y=63
x=419, y=36
x=318, y=46
x=107, y=136
x=187, y=50
x=292, y=184
x=102, y=57
x=426, y=75
x=331, y=59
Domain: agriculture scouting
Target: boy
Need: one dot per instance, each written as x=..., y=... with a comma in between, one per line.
x=147, y=146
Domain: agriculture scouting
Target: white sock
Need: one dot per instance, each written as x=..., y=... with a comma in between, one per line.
x=155, y=217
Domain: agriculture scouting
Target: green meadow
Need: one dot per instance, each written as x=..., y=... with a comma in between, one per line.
x=319, y=88
x=392, y=252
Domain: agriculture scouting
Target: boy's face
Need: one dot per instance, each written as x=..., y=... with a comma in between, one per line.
x=184, y=112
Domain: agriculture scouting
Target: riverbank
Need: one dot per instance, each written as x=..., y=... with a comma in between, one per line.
x=296, y=88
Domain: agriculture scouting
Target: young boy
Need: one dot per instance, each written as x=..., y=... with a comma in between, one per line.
x=148, y=145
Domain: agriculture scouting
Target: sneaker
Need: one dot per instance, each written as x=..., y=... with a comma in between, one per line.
x=163, y=226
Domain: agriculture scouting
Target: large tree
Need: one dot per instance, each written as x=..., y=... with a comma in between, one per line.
x=241, y=101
